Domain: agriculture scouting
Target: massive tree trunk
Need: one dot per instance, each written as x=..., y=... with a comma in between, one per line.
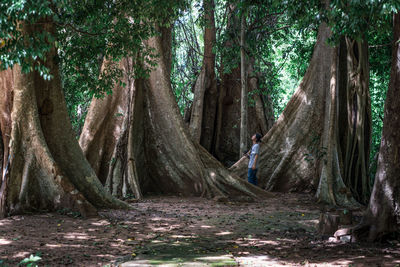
x=107, y=136
x=291, y=151
x=349, y=127
x=46, y=169
x=6, y=100
x=107, y=114
x=331, y=188
x=164, y=156
x=205, y=99
x=383, y=214
x=303, y=151
x=358, y=127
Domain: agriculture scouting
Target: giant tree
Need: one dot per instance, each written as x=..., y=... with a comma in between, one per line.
x=46, y=168
x=383, y=214
x=291, y=150
x=337, y=144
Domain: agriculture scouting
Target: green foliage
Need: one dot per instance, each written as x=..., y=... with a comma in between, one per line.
x=354, y=18
x=288, y=60
x=31, y=261
x=187, y=51
x=280, y=47
x=19, y=48
x=380, y=40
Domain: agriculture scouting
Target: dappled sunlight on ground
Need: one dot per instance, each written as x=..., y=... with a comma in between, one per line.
x=196, y=232
x=4, y=241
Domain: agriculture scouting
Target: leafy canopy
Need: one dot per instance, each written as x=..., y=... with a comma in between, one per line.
x=86, y=32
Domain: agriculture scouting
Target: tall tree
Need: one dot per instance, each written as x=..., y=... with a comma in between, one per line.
x=243, y=83
x=283, y=162
x=46, y=169
x=301, y=147
x=166, y=159
x=338, y=146
x=383, y=214
x=6, y=95
x=331, y=188
x=105, y=135
x=352, y=27
x=356, y=147
x=205, y=91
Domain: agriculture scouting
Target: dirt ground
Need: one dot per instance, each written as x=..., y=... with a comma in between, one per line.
x=172, y=231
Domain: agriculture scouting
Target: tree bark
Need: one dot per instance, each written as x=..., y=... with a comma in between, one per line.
x=291, y=152
x=383, y=214
x=105, y=119
x=262, y=106
x=244, y=91
x=357, y=146
x=6, y=100
x=215, y=112
x=47, y=169
x=204, y=105
x=331, y=188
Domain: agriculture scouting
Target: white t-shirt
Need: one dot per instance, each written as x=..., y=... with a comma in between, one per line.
x=254, y=151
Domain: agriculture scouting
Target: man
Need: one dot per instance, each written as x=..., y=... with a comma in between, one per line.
x=253, y=162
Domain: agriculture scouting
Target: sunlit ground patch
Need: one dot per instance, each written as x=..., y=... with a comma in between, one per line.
x=4, y=241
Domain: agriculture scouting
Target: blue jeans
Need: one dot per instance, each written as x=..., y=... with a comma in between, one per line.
x=251, y=176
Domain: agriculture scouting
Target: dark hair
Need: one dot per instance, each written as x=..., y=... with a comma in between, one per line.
x=258, y=137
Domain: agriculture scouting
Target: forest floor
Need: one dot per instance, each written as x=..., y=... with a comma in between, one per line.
x=172, y=231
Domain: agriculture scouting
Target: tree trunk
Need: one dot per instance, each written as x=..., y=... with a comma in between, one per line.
x=290, y=153
x=164, y=156
x=263, y=109
x=383, y=214
x=331, y=188
x=183, y=167
x=47, y=169
x=107, y=114
x=204, y=105
x=6, y=100
x=357, y=146
x=243, y=92
x=349, y=129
